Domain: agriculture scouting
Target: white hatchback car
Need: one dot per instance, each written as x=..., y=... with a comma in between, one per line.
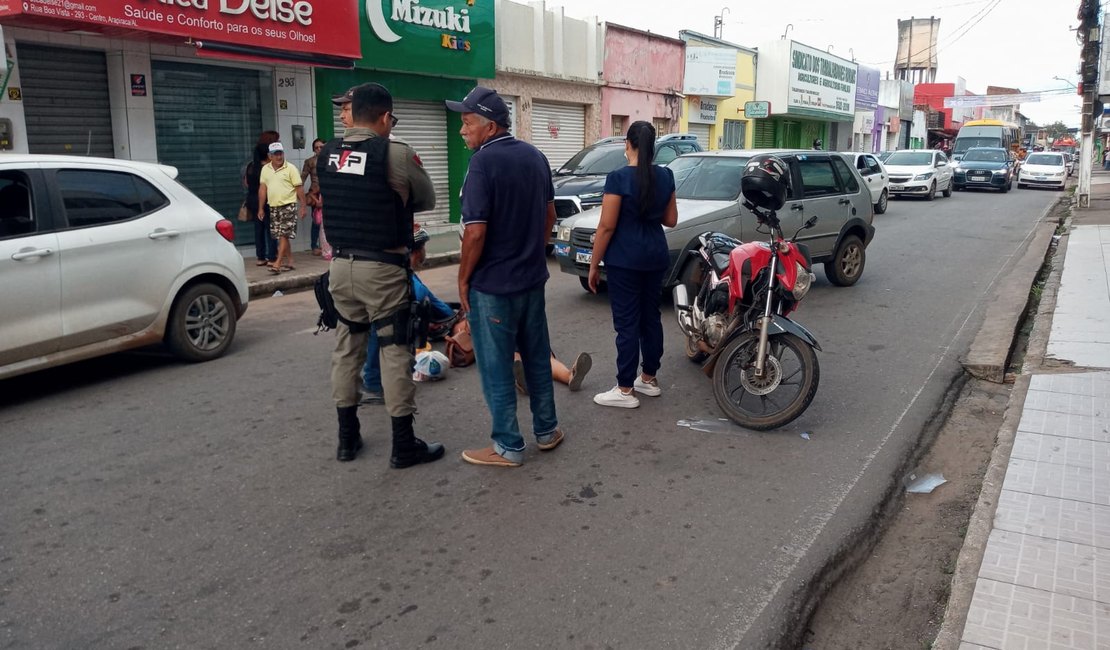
x=1043, y=169
x=919, y=172
x=874, y=175
x=101, y=255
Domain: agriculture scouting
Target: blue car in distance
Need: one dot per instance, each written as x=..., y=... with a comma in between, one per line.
x=989, y=167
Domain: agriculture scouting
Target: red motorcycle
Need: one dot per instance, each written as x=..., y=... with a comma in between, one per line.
x=763, y=365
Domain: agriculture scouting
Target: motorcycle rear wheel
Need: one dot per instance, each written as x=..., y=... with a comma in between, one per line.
x=799, y=375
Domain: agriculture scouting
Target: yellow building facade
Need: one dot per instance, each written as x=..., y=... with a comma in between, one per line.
x=713, y=108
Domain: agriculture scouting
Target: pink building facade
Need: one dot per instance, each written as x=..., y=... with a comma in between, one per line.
x=643, y=79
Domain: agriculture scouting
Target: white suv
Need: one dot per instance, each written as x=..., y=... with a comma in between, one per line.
x=101, y=255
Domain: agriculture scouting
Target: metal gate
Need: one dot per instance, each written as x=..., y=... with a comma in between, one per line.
x=65, y=100
x=206, y=121
x=558, y=130
x=764, y=136
x=701, y=132
x=733, y=137
x=423, y=126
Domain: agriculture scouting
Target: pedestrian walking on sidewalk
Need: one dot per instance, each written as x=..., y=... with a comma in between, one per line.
x=639, y=200
x=265, y=246
x=371, y=187
x=312, y=195
x=1106, y=159
x=280, y=187
x=508, y=211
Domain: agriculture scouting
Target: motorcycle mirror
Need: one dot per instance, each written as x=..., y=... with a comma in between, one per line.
x=811, y=222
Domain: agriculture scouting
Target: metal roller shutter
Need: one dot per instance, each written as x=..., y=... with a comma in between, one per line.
x=764, y=136
x=701, y=131
x=206, y=120
x=423, y=125
x=65, y=100
x=558, y=130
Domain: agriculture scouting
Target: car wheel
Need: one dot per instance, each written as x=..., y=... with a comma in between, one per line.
x=948, y=190
x=585, y=282
x=202, y=323
x=1021, y=186
x=846, y=266
x=932, y=192
x=884, y=200
x=1006, y=187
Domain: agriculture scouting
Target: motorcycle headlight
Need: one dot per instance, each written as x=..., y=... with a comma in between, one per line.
x=563, y=234
x=803, y=282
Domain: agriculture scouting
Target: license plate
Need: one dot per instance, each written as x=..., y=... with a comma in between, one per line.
x=583, y=257
x=1040, y=178
x=897, y=188
x=562, y=250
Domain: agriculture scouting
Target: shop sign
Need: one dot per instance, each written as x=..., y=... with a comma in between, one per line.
x=821, y=81
x=710, y=71
x=756, y=110
x=138, y=85
x=867, y=88
x=325, y=27
x=454, y=38
x=703, y=111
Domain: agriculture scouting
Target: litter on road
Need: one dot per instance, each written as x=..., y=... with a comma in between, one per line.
x=925, y=484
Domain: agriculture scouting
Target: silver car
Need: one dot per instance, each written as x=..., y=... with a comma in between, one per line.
x=823, y=184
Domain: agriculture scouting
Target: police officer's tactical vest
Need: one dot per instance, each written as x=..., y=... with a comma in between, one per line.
x=361, y=210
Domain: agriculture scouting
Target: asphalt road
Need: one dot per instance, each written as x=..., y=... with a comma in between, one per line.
x=151, y=504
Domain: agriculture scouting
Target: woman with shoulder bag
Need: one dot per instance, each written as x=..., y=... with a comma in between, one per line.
x=639, y=201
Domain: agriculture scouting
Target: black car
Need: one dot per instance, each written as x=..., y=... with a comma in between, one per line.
x=580, y=182
x=989, y=167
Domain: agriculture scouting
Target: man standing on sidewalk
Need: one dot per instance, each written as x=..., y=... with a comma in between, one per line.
x=508, y=210
x=371, y=188
x=280, y=186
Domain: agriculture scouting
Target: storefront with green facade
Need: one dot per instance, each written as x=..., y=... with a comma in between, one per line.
x=811, y=95
x=423, y=56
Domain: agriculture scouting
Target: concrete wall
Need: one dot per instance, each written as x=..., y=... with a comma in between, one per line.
x=524, y=89
x=643, y=74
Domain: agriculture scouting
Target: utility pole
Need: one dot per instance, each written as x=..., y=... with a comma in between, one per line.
x=1089, y=38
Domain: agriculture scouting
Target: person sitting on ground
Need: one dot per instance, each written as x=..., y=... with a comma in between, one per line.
x=371, y=370
x=571, y=376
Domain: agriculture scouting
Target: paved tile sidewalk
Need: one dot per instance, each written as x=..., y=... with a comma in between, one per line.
x=1044, y=581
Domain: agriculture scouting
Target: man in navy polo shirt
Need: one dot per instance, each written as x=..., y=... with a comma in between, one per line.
x=508, y=210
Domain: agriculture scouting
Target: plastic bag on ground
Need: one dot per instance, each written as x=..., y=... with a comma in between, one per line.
x=430, y=366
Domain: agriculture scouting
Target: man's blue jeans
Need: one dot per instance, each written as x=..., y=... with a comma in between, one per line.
x=499, y=326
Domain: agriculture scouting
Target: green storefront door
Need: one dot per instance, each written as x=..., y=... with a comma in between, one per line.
x=206, y=120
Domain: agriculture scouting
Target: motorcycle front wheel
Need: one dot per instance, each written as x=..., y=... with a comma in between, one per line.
x=785, y=390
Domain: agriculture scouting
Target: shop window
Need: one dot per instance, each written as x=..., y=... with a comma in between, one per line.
x=662, y=126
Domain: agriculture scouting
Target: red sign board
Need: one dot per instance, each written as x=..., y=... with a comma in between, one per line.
x=327, y=27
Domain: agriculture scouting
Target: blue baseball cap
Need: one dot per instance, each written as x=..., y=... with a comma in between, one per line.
x=485, y=102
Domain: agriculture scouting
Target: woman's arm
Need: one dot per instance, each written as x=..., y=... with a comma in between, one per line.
x=610, y=212
x=670, y=213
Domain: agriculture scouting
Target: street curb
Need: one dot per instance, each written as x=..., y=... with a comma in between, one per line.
x=288, y=282
x=979, y=526
x=989, y=354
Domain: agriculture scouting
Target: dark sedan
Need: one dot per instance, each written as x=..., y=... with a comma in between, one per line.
x=987, y=167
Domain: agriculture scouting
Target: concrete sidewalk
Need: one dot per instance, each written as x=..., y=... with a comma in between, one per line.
x=308, y=267
x=1043, y=577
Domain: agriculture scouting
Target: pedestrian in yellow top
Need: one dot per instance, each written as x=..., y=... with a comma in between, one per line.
x=280, y=186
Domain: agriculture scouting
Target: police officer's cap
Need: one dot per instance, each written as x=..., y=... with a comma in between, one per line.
x=368, y=94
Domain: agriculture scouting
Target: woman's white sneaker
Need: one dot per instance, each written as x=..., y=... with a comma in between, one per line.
x=649, y=388
x=614, y=397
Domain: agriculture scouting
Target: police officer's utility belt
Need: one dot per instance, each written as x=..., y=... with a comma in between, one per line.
x=357, y=255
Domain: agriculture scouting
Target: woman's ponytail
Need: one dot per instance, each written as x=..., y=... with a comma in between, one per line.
x=641, y=135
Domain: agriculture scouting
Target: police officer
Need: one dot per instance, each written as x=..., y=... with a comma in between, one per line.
x=372, y=185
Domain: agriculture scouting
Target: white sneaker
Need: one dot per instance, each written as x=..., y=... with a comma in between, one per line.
x=649, y=388
x=614, y=397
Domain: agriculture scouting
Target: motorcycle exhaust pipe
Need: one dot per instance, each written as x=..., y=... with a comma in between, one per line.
x=682, y=310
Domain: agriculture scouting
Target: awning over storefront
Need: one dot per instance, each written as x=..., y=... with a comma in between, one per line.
x=305, y=32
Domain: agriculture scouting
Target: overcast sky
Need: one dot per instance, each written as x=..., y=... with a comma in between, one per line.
x=1013, y=43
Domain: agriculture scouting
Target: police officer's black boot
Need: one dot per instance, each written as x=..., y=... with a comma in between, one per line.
x=408, y=450
x=350, y=440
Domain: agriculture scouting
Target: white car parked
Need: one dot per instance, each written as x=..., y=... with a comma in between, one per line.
x=919, y=172
x=874, y=174
x=101, y=255
x=1043, y=169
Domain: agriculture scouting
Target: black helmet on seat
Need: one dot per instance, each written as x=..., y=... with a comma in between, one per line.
x=765, y=182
